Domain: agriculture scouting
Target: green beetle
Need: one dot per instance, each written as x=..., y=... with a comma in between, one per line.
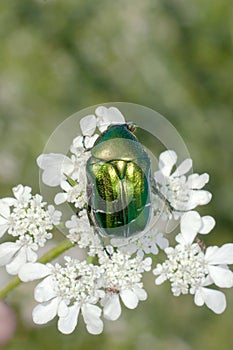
x=118, y=183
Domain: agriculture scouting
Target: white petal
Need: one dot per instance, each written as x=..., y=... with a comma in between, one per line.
x=197, y=181
x=33, y=271
x=91, y=315
x=65, y=186
x=159, y=280
x=180, y=239
x=17, y=262
x=208, y=224
x=167, y=160
x=3, y=229
x=4, y=209
x=60, y=198
x=198, y=197
x=222, y=255
x=222, y=277
x=44, y=290
x=140, y=293
x=112, y=307
x=111, y=115
x=159, y=177
x=190, y=225
x=115, y=116
x=67, y=324
x=45, y=312
x=199, y=297
x=88, y=125
x=108, y=116
x=129, y=298
x=63, y=309
x=55, y=166
x=22, y=192
x=7, y=251
x=9, y=201
x=214, y=299
x=31, y=255
x=183, y=168
x=89, y=141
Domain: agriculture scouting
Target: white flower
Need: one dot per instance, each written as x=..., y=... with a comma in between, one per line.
x=80, y=145
x=122, y=280
x=108, y=116
x=26, y=219
x=54, y=167
x=183, y=193
x=4, y=217
x=82, y=233
x=190, y=270
x=105, y=118
x=148, y=243
x=65, y=292
x=73, y=194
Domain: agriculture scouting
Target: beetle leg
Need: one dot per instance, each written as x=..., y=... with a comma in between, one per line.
x=84, y=146
x=156, y=191
x=108, y=253
x=81, y=209
x=92, y=222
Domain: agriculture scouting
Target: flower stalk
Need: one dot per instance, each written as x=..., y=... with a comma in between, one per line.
x=47, y=257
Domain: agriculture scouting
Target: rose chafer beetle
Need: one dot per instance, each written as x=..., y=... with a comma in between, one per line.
x=118, y=183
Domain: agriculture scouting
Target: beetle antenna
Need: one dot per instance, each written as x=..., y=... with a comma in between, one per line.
x=131, y=126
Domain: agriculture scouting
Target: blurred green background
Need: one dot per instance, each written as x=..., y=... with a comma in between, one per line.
x=175, y=56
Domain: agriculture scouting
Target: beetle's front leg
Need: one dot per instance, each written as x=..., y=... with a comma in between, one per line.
x=156, y=191
x=79, y=210
x=84, y=146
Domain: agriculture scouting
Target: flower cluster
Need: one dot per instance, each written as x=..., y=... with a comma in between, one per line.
x=83, y=234
x=111, y=277
x=191, y=270
x=182, y=192
x=27, y=220
x=79, y=286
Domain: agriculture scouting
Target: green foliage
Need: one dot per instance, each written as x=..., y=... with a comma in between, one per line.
x=175, y=56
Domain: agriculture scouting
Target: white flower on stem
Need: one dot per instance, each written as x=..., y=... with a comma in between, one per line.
x=146, y=244
x=66, y=292
x=54, y=167
x=191, y=270
x=72, y=194
x=108, y=116
x=122, y=280
x=80, y=146
x=182, y=192
x=82, y=233
x=88, y=125
x=26, y=218
x=105, y=118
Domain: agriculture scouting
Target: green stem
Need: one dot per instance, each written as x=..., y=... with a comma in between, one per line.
x=47, y=257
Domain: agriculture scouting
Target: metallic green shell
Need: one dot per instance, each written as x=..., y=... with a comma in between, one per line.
x=118, y=184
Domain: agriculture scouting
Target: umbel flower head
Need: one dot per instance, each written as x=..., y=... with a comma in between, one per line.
x=66, y=291
x=27, y=220
x=183, y=193
x=190, y=270
x=110, y=278
x=122, y=280
x=79, y=286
